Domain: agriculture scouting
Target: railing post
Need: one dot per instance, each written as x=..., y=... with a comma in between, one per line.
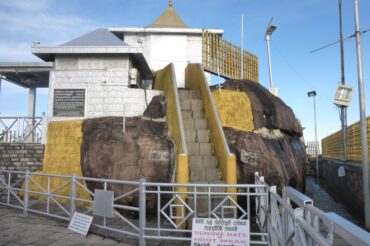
x=26, y=192
x=44, y=128
x=298, y=240
x=142, y=212
x=73, y=196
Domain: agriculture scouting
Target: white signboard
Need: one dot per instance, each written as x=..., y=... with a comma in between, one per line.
x=219, y=232
x=80, y=223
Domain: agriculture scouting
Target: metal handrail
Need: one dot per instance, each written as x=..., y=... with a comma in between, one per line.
x=27, y=129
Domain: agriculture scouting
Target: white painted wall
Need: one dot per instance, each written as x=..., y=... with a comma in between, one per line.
x=163, y=48
x=105, y=80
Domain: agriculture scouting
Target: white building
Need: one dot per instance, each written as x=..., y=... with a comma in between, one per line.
x=103, y=73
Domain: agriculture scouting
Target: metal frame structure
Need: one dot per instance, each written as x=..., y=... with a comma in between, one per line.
x=21, y=129
x=224, y=58
x=277, y=220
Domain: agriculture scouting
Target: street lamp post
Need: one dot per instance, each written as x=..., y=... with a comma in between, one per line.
x=270, y=29
x=313, y=94
x=363, y=121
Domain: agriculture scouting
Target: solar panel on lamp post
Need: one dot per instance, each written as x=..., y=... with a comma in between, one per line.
x=313, y=94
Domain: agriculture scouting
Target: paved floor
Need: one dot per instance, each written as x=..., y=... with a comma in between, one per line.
x=29, y=229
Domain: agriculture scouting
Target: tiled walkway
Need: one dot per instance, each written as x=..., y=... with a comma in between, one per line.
x=29, y=229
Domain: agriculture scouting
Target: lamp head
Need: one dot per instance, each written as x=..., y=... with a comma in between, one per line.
x=311, y=93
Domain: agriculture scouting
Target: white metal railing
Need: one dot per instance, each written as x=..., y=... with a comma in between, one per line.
x=143, y=210
x=294, y=220
x=147, y=211
x=21, y=129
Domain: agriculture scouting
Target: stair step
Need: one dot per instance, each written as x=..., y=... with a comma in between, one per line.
x=191, y=135
x=185, y=104
x=202, y=135
x=200, y=123
x=196, y=105
x=189, y=114
x=195, y=123
x=197, y=136
x=207, y=161
x=200, y=148
x=203, y=174
x=188, y=94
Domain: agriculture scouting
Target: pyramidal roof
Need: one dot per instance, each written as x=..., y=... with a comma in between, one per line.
x=98, y=37
x=169, y=18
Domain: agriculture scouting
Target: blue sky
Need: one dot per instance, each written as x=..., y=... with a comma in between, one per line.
x=302, y=27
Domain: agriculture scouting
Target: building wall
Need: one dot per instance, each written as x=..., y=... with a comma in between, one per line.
x=162, y=49
x=105, y=79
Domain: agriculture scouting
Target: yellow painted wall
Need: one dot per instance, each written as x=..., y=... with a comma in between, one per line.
x=332, y=145
x=234, y=109
x=62, y=157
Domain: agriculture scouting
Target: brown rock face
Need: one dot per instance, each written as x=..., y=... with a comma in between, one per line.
x=143, y=151
x=280, y=160
x=268, y=111
x=274, y=148
x=156, y=108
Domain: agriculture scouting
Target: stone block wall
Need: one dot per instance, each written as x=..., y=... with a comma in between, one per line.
x=347, y=189
x=21, y=157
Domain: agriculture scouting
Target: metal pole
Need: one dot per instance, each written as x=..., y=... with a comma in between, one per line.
x=242, y=48
x=72, y=209
x=363, y=123
x=316, y=142
x=142, y=212
x=26, y=191
x=343, y=109
x=269, y=59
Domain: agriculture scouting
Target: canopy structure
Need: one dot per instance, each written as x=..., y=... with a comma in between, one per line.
x=27, y=74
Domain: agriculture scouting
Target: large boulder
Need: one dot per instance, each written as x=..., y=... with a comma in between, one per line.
x=273, y=147
x=144, y=150
x=279, y=160
x=268, y=110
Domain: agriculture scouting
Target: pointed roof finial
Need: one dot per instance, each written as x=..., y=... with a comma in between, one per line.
x=170, y=3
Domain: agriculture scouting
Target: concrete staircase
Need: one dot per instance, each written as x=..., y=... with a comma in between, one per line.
x=202, y=161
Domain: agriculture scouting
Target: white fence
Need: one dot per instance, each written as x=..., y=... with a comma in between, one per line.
x=160, y=211
x=22, y=129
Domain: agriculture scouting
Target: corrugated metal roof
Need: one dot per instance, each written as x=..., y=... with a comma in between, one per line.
x=98, y=37
x=169, y=18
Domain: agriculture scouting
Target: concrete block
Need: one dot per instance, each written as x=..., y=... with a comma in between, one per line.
x=198, y=115
x=202, y=136
x=212, y=175
x=183, y=94
x=186, y=114
x=188, y=124
x=185, y=105
x=193, y=148
x=196, y=105
x=200, y=124
x=194, y=95
x=209, y=161
x=190, y=135
x=205, y=148
x=197, y=175
x=195, y=162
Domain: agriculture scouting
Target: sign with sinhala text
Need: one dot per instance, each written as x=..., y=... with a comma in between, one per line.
x=219, y=232
x=69, y=102
x=80, y=223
